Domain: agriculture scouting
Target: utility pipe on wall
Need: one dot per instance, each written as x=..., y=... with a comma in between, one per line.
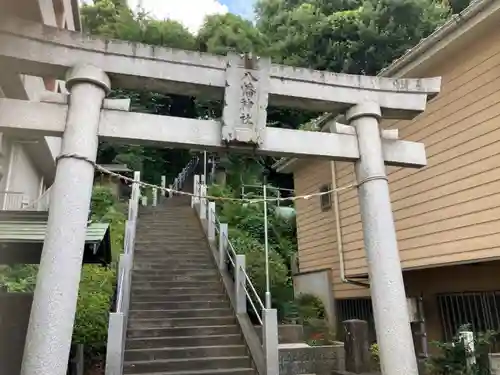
x=338, y=229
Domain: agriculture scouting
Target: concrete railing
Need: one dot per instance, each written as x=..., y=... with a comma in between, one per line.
x=183, y=175
x=176, y=185
x=243, y=290
x=118, y=318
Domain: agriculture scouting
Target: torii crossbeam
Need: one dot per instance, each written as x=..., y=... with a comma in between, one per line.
x=247, y=85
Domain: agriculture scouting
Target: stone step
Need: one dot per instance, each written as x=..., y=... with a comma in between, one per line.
x=191, y=313
x=175, y=231
x=141, y=323
x=148, y=264
x=181, y=237
x=161, y=225
x=186, y=277
x=184, y=238
x=236, y=371
x=173, y=266
x=186, y=341
x=186, y=364
x=162, y=305
x=185, y=352
x=173, y=284
x=195, y=262
x=160, y=272
x=183, y=331
x=162, y=228
x=214, y=297
x=174, y=249
x=169, y=257
x=159, y=291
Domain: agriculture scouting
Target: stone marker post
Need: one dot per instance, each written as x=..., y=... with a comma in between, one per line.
x=54, y=304
x=357, y=351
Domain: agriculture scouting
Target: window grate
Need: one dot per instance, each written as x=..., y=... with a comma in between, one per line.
x=356, y=308
x=481, y=311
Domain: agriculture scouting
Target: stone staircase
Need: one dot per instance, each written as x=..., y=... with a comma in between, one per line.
x=181, y=321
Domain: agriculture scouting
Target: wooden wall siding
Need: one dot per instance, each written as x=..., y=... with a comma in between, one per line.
x=348, y=201
x=315, y=229
x=448, y=211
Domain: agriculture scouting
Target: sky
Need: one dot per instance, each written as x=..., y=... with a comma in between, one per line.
x=191, y=13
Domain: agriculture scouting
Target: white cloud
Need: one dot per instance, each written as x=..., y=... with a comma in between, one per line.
x=191, y=13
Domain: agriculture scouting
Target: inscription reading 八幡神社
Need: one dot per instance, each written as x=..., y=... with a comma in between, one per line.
x=248, y=94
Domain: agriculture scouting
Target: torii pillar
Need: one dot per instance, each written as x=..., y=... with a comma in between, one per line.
x=390, y=310
x=54, y=303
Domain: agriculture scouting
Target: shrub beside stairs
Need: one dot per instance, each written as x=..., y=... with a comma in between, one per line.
x=181, y=321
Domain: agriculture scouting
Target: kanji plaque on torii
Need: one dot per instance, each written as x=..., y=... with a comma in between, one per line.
x=245, y=100
x=247, y=85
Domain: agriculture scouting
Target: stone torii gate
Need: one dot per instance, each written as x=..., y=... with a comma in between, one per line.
x=247, y=86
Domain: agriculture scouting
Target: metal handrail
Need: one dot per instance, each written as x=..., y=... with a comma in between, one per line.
x=245, y=292
x=248, y=282
x=181, y=177
x=252, y=288
x=119, y=291
x=119, y=317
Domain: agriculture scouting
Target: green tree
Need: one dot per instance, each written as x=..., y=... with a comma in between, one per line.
x=358, y=37
x=228, y=32
x=114, y=19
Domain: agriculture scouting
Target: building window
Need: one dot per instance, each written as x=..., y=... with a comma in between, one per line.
x=325, y=199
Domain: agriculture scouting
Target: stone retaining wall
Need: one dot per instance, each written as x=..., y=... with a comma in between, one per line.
x=319, y=360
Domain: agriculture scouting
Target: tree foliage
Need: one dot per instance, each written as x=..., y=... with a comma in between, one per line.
x=230, y=33
x=350, y=36
x=114, y=19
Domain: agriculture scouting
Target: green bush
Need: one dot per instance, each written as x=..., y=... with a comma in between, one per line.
x=102, y=201
x=246, y=232
x=375, y=356
x=92, y=315
x=279, y=280
x=312, y=315
x=96, y=284
x=310, y=307
x=452, y=356
x=18, y=278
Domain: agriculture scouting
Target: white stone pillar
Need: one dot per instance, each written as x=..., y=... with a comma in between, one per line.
x=50, y=328
x=223, y=244
x=397, y=354
x=270, y=340
x=163, y=185
x=196, y=190
x=203, y=202
x=240, y=281
x=155, y=197
x=211, y=222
